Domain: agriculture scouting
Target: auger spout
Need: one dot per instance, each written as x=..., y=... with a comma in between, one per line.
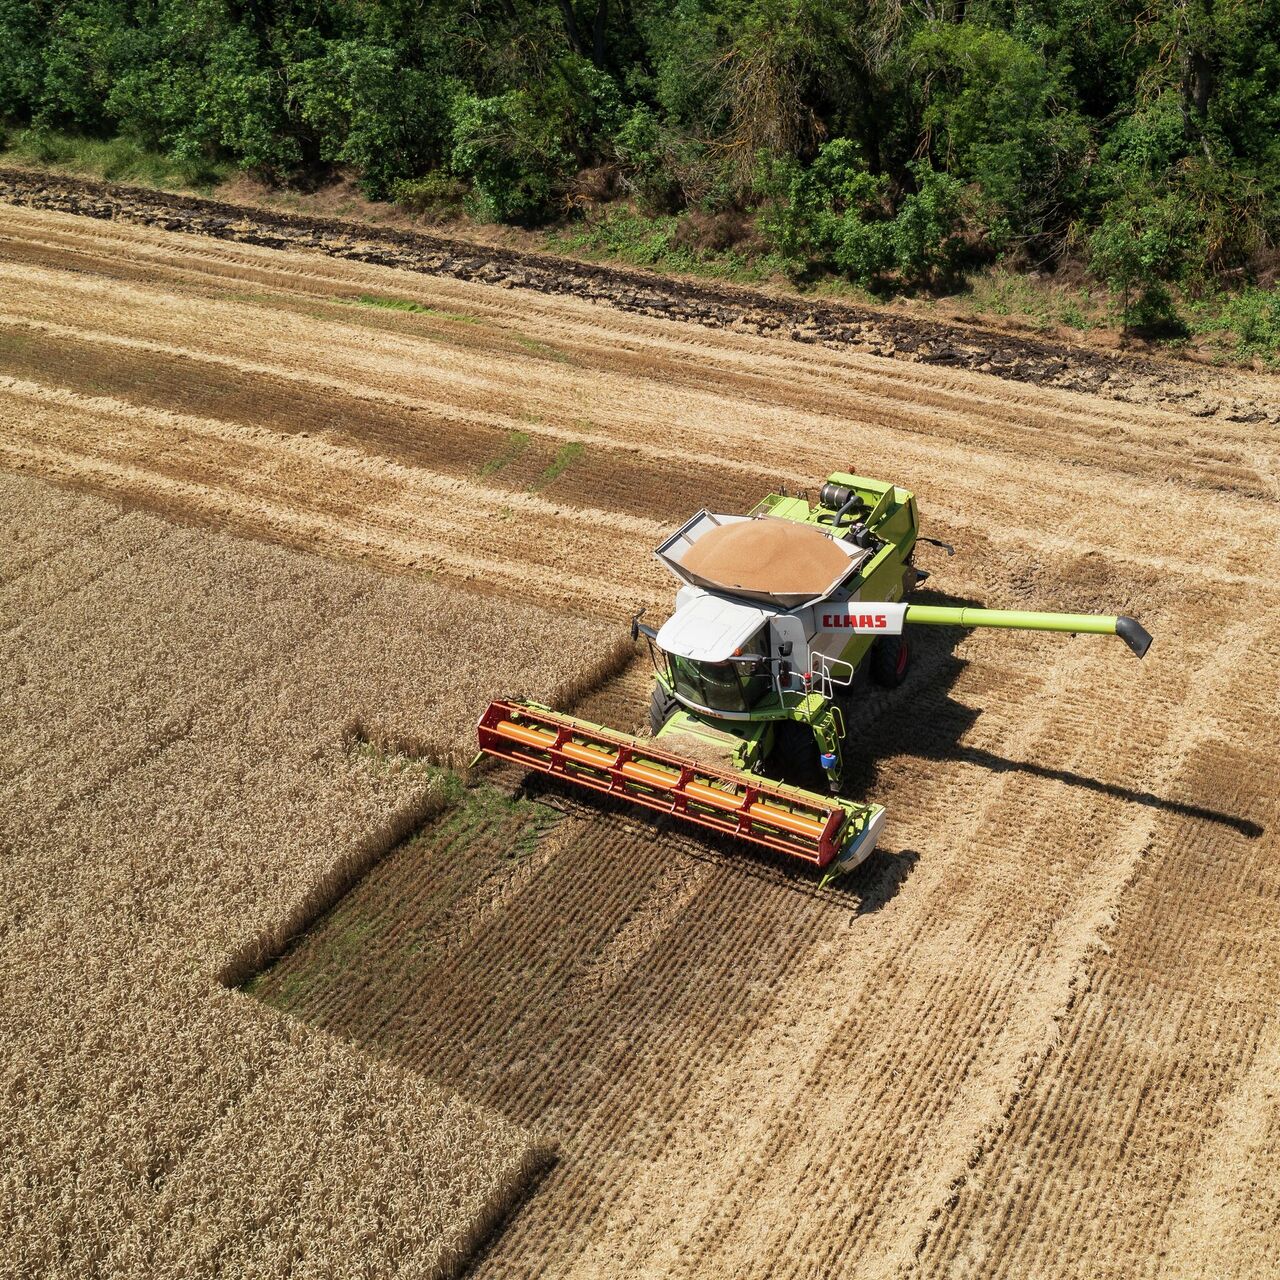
x=1128, y=629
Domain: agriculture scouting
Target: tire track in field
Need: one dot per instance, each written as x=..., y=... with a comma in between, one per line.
x=1235, y=1191
x=601, y=490
x=737, y=1233
x=714, y=307
x=930, y=407
x=1169, y=1019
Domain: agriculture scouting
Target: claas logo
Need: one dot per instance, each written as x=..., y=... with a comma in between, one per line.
x=869, y=621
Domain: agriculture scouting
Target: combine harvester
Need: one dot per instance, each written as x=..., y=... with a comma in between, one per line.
x=779, y=610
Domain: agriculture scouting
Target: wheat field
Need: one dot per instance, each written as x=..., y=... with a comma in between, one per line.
x=185, y=783
x=1035, y=1037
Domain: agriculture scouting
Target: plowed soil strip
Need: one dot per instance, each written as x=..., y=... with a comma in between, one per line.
x=883, y=332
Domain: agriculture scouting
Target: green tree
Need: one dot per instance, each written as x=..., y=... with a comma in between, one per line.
x=995, y=113
x=386, y=121
x=21, y=59
x=515, y=162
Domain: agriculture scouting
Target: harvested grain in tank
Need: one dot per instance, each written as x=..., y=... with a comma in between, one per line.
x=780, y=557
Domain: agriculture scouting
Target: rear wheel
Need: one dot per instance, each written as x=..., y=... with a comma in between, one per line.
x=890, y=658
x=662, y=706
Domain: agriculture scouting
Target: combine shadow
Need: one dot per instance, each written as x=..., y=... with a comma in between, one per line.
x=921, y=719
x=1000, y=764
x=867, y=888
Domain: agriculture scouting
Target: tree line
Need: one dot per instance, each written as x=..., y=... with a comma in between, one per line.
x=894, y=142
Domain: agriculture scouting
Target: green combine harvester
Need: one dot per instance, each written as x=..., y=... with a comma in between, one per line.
x=778, y=612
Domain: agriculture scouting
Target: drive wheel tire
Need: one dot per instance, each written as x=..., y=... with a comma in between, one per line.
x=890, y=658
x=795, y=759
x=662, y=706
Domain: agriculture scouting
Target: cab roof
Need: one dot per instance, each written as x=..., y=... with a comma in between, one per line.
x=709, y=628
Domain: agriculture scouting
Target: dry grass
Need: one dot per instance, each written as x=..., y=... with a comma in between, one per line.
x=180, y=795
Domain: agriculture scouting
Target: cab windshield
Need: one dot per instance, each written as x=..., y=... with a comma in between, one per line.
x=723, y=686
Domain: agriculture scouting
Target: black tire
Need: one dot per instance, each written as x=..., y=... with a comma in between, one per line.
x=794, y=750
x=793, y=758
x=662, y=706
x=890, y=659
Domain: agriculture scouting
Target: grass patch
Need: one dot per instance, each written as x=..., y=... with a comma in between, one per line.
x=540, y=348
x=484, y=807
x=1243, y=326
x=414, y=308
x=1040, y=304
x=660, y=243
x=517, y=443
x=114, y=159
x=565, y=457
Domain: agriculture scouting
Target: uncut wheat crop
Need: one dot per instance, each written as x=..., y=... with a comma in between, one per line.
x=185, y=783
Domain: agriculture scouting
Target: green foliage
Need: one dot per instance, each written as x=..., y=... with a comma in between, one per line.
x=837, y=216
x=22, y=62
x=925, y=232
x=642, y=155
x=517, y=166
x=566, y=456
x=1038, y=302
x=384, y=120
x=1246, y=324
x=241, y=109
x=1140, y=244
x=116, y=159
x=832, y=215
x=662, y=242
x=517, y=442
x=436, y=193
x=994, y=113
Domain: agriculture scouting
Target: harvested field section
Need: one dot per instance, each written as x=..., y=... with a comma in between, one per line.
x=716, y=1044
x=599, y=1030
x=1149, y=1074
x=1032, y=1037
x=184, y=786
x=882, y=331
x=665, y=417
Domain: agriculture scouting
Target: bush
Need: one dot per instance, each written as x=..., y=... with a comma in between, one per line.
x=925, y=233
x=1140, y=244
x=369, y=112
x=435, y=194
x=642, y=157
x=837, y=216
x=831, y=215
x=1250, y=318
x=516, y=164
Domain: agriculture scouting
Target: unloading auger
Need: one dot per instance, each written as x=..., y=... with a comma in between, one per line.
x=779, y=615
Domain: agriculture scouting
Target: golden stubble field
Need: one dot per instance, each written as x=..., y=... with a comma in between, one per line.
x=1037, y=1036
